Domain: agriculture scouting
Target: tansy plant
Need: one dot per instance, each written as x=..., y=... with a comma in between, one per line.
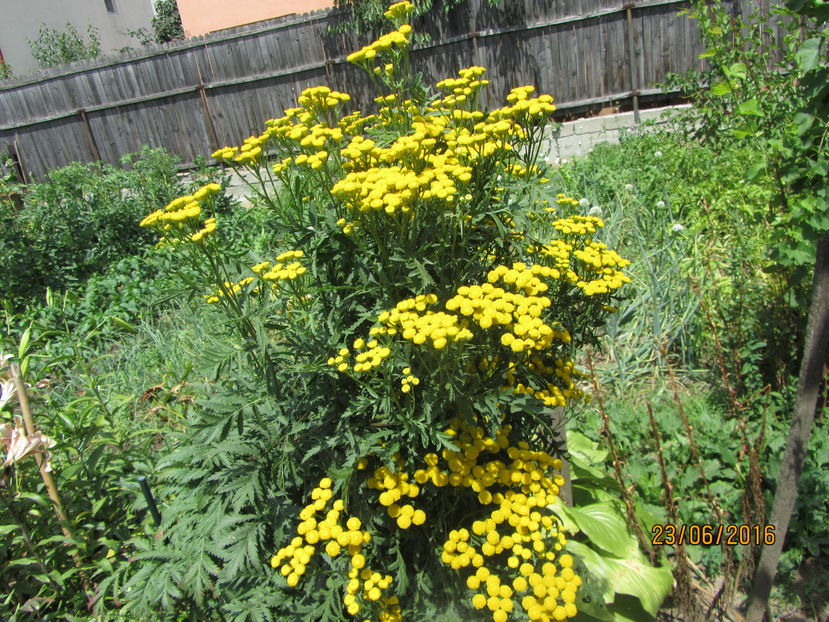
x=428, y=290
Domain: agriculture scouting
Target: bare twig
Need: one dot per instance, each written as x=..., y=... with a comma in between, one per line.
x=633, y=522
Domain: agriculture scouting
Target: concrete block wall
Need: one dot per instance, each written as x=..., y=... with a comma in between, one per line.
x=578, y=137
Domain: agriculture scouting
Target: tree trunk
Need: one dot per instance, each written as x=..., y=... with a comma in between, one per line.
x=808, y=393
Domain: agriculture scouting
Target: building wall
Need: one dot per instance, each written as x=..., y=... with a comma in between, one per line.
x=21, y=20
x=202, y=16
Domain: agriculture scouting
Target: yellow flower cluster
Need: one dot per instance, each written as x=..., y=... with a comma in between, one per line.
x=520, y=537
x=321, y=98
x=208, y=228
x=393, y=486
x=525, y=108
x=176, y=212
x=564, y=200
x=284, y=269
x=229, y=288
x=519, y=313
x=399, y=38
x=412, y=321
x=182, y=217
x=578, y=225
x=463, y=89
x=372, y=357
x=408, y=380
x=364, y=584
x=397, y=188
x=551, y=394
x=225, y=153
x=251, y=150
x=399, y=11
x=596, y=257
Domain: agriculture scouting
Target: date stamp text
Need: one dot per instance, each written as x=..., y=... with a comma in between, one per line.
x=712, y=535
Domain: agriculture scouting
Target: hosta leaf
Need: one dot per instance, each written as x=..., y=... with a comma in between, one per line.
x=631, y=575
x=604, y=526
x=582, y=447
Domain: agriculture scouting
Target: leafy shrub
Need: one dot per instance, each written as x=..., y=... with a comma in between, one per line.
x=79, y=220
x=53, y=47
x=396, y=355
x=51, y=568
x=167, y=22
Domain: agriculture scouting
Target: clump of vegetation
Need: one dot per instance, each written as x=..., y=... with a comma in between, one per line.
x=345, y=398
x=55, y=47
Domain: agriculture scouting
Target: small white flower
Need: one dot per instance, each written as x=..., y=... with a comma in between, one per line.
x=629, y=187
x=584, y=203
x=657, y=154
x=677, y=227
x=596, y=210
x=660, y=204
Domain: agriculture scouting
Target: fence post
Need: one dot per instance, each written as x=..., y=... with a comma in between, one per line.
x=632, y=68
x=476, y=49
x=208, y=117
x=16, y=163
x=90, y=137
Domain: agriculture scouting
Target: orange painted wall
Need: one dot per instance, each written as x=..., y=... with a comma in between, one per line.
x=202, y=16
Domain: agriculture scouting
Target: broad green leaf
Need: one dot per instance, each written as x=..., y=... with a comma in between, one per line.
x=715, y=30
x=707, y=54
x=720, y=88
x=561, y=511
x=7, y=529
x=737, y=70
x=580, y=446
x=753, y=171
x=808, y=55
x=631, y=575
x=750, y=106
x=605, y=527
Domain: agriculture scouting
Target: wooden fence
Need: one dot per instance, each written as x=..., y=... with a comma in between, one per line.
x=194, y=96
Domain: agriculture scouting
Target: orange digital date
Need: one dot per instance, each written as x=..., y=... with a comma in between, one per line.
x=711, y=535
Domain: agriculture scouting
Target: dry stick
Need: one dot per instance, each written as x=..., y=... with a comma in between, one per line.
x=633, y=522
x=683, y=580
x=753, y=504
x=689, y=434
